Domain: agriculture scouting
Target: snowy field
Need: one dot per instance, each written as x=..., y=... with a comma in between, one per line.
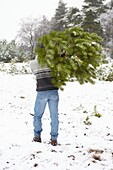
x=85, y=131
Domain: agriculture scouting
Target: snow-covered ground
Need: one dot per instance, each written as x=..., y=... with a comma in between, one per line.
x=85, y=140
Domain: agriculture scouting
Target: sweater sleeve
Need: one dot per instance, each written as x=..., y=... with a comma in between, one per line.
x=34, y=66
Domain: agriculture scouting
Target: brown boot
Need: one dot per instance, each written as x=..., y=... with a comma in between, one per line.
x=53, y=142
x=37, y=139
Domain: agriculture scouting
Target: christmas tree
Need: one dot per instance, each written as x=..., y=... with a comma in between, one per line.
x=72, y=55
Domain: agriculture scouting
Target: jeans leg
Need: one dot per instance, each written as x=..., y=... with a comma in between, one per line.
x=53, y=107
x=39, y=108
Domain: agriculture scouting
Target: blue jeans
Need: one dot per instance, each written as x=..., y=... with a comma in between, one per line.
x=52, y=98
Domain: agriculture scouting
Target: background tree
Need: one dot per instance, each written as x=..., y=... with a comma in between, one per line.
x=91, y=16
x=11, y=51
x=27, y=35
x=3, y=50
x=20, y=54
x=110, y=4
x=30, y=30
x=74, y=17
x=107, y=23
x=44, y=27
x=59, y=20
x=7, y=50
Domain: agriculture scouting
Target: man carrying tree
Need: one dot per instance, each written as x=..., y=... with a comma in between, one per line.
x=71, y=55
x=46, y=93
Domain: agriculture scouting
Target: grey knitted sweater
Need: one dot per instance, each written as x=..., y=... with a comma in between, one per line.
x=43, y=76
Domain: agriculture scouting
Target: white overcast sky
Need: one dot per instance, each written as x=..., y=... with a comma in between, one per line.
x=11, y=11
